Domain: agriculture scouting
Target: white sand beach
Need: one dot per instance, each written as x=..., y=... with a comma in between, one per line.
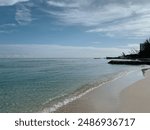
x=126, y=94
x=136, y=98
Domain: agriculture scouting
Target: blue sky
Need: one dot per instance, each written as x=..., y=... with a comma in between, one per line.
x=72, y=28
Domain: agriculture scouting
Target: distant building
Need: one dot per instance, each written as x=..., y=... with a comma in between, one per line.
x=142, y=47
x=145, y=50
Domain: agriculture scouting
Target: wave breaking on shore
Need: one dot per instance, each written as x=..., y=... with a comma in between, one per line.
x=57, y=103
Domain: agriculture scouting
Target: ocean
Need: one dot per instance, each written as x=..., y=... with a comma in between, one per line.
x=44, y=85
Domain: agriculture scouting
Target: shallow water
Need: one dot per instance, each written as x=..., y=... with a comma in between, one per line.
x=30, y=85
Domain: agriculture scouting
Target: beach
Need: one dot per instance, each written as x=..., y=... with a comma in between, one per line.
x=130, y=93
x=136, y=98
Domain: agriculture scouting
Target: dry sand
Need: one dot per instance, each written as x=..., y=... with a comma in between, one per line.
x=136, y=98
x=131, y=93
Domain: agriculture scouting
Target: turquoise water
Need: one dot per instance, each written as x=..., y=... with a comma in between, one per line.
x=30, y=85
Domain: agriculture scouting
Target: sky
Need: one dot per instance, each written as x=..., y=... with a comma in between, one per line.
x=72, y=28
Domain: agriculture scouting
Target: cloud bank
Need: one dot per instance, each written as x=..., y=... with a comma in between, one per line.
x=113, y=18
x=110, y=17
x=56, y=51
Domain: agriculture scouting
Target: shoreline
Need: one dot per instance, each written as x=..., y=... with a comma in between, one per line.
x=104, y=99
x=79, y=93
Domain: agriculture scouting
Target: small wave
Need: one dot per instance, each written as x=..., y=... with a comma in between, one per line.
x=79, y=93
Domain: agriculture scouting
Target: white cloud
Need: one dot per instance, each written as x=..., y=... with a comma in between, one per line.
x=10, y=2
x=55, y=51
x=4, y=28
x=138, y=27
x=23, y=15
x=61, y=4
x=113, y=18
x=91, y=17
x=131, y=46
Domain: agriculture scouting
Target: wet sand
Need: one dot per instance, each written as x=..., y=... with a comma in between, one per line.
x=114, y=96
